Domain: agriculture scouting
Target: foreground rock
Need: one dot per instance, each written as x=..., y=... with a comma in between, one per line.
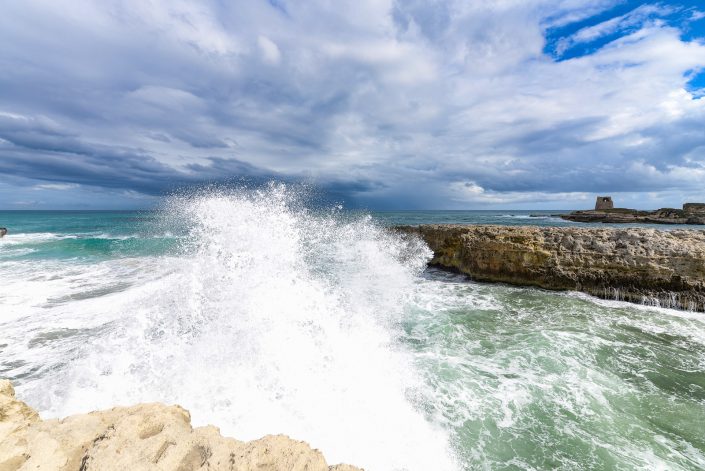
x=664, y=268
x=142, y=437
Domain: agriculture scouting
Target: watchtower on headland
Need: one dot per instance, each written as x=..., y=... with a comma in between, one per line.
x=694, y=207
x=604, y=202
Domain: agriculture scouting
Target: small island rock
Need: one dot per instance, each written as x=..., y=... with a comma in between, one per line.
x=692, y=213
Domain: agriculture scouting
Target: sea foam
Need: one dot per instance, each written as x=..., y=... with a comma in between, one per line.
x=270, y=318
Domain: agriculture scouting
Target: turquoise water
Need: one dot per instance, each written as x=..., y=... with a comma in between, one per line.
x=261, y=316
x=108, y=234
x=502, y=217
x=38, y=235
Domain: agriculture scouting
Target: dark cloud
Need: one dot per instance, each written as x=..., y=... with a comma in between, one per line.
x=33, y=149
x=400, y=104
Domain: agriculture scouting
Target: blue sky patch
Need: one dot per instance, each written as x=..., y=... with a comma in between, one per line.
x=696, y=83
x=589, y=35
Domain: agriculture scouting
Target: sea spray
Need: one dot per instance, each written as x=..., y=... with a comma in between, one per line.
x=263, y=313
x=272, y=318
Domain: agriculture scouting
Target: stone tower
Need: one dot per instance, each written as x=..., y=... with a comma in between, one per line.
x=604, y=202
x=694, y=207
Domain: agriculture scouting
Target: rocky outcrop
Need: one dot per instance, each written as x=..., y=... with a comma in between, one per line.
x=3, y=231
x=648, y=266
x=691, y=213
x=141, y=437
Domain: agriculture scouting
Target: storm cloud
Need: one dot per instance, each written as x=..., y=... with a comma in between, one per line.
x=388, y=104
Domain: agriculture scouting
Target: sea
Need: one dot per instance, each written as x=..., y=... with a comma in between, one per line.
x=262, y=313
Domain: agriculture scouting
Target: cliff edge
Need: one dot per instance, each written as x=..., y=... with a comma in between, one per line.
x=646, y=266
x=141, y=437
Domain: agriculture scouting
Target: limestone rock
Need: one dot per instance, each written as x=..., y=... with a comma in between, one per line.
x=141, y=437
x=692, y=213
x=665, y=268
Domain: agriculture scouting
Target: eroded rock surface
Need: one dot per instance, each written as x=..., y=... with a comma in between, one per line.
x=141, y=437
x=691, y=214
x=665, y=268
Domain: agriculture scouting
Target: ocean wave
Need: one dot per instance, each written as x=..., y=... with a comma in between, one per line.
x=270, y=318
x=23, y=238
x=265, y=316
x=19, y=252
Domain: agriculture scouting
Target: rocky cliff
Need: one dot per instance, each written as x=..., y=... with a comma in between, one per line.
x=141, y=437
x=649, y=266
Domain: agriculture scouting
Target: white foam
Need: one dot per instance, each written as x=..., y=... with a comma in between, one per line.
x=273, y=320
x=31, y=238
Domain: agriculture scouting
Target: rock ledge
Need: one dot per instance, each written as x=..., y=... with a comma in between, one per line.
x=141, y=437
x=634, y=216
x=646, y=266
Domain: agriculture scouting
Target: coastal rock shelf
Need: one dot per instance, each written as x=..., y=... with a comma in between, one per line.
x=141, y=437
x=692, y=213
x=646, y=266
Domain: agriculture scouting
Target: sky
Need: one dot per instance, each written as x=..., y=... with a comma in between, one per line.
x=405, y=104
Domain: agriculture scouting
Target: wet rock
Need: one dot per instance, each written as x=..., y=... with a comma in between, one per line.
x=3, y=231
x=648, y=266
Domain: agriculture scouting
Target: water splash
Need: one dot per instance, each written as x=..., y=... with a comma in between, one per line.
x=271, y=319
x=274, y=317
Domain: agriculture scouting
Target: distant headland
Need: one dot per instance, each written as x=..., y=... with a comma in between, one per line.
x=692, y=213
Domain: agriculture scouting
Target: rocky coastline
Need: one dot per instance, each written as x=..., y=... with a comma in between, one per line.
x=692, y=213
x=141, y=437
x=640, y=265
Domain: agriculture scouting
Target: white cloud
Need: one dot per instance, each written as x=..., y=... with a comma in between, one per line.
x=270, y=51
x=471, y=193
x=697, y=15
x=396, y=95
x=634, y=18
x=56, y=186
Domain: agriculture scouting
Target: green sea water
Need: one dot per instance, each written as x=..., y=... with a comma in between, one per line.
x=537, y=380
x=261, y=316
